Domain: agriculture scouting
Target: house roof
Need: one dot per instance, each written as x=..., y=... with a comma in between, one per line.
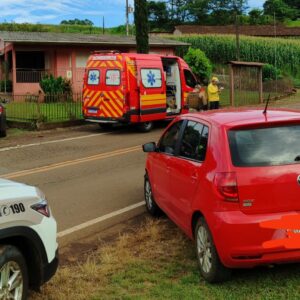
x=252, y=30
x=247, y=64
x=80, y=39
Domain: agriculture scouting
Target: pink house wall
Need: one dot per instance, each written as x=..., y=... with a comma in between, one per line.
x=67, y=62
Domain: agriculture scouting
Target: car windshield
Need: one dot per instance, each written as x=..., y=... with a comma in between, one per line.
x=265, y=146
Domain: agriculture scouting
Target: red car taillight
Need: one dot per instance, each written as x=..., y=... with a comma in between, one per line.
x=42, y=208
x=226, y=185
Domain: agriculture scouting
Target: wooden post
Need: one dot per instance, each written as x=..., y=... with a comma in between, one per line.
x=14, y=70
x=231, y=85
x=260, y=85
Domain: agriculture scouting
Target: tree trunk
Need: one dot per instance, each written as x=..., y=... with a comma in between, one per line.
x=141, y=26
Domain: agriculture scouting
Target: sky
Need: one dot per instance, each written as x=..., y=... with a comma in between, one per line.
x=54, y=11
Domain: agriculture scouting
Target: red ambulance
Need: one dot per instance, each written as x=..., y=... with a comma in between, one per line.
x=135, y=88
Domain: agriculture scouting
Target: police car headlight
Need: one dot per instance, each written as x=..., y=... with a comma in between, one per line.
x=42, y=206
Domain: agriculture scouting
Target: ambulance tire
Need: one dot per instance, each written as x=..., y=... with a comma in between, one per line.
x=145, y=126
x=106, y=126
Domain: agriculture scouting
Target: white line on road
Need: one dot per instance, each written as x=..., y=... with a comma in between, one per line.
x=52, y=142
x=100, y=219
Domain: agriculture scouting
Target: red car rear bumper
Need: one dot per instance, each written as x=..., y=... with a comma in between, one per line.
x=240, y=239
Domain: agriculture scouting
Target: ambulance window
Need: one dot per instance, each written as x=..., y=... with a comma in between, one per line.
x=151, y=78
x=113, y=77
x=189, y=78
x=93, y=77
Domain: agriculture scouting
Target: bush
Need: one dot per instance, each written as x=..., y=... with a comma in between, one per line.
x=8, y=84
x=56, y=89
x=271, y=73
x=52, y=85
x=199, y=63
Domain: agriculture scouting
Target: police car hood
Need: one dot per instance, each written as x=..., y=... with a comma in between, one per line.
x=14, y=190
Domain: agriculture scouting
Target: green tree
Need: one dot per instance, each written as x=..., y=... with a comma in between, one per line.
x=178, y=11
x=295, y=4
x=77, y=22
x=281, y=9
x=257, y=17
x=199, y=10
x=158, y=15
x=199, y=63
x=215, y=12
x=141, y=25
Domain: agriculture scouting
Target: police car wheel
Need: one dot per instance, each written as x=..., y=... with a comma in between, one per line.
x=145, y=126
x=151, y=205
x=13, y=273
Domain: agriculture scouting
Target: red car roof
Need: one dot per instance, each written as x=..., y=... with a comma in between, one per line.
x=240, y=117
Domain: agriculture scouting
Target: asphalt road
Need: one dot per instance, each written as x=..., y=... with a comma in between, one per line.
x=84, y=172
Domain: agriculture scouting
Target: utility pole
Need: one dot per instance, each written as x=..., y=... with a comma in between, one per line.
x=103, y=26
x=127, y=18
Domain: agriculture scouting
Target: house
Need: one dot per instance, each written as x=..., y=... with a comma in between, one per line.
x=250, y=30
x=25, y=57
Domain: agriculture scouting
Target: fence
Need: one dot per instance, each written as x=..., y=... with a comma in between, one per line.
x=246, y=89
x=30, y=76
x=43, y=108
x=65, y=107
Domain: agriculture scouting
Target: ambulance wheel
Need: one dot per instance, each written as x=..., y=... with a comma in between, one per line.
x=146, y=126
x=106, y=126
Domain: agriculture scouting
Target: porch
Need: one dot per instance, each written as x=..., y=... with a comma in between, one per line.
x=23, y=69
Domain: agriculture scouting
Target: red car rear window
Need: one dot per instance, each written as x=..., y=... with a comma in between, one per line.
x=270, y=146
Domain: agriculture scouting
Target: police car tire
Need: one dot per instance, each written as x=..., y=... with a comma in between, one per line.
x=151, y=206
x=9, y=253
x=217, y=271
x=145, y=126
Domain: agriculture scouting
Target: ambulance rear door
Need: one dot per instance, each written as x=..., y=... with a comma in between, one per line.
x=112, y=93
x=152, y=89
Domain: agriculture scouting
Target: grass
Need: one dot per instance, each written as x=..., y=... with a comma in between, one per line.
x=44, y=112
x=295, y=23
x=241, y=97
x=157, y=261
x=63, y=28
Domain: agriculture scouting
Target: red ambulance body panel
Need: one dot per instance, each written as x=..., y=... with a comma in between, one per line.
x=135, y=88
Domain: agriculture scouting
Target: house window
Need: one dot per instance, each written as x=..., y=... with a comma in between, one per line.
x=81, y=60
x=30, y=66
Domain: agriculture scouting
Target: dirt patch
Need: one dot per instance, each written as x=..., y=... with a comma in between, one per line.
x=79, y=251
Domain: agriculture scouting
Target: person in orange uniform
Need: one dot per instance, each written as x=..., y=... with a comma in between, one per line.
x=213, y=93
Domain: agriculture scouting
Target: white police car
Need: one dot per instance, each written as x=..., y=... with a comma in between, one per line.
x=28, y=246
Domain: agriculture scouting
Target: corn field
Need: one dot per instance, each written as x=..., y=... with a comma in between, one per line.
x=280, y=52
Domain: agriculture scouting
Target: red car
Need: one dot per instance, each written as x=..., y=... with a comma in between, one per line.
x=220, y=176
